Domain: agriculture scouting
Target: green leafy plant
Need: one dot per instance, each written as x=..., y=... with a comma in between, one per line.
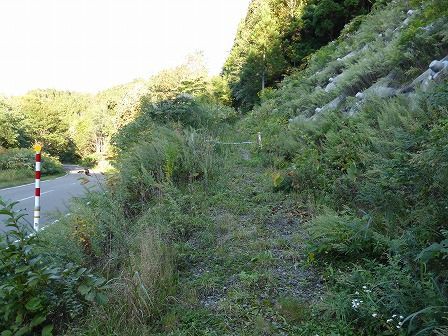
x=39, y=293
x=435, y=251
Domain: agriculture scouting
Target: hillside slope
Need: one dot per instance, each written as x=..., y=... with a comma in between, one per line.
x=334, y=225
x=360, y=134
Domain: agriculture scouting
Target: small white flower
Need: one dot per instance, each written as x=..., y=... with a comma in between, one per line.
x=394, y=315
x=356, y=293
x=356, y=303
x=401, y=317
x=389, y=320
x=364, y=287
x=374, y=315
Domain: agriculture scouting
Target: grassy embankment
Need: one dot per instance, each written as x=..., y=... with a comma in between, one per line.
x=12, y=178
x=230, y=257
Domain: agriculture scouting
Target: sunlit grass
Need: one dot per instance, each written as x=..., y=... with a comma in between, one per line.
x=15, y=177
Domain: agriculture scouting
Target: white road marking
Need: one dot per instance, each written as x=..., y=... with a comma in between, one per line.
x=28, y=184
x=24, y=199
x=23, y=185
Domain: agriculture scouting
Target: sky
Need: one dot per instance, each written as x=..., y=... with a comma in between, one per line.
x=90, y=45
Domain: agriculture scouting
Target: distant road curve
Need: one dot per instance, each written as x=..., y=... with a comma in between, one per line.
x=55, y=195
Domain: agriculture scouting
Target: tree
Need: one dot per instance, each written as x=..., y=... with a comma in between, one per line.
x=256, y=59
x=9, y=126
x=190, y=77
x=43, y=121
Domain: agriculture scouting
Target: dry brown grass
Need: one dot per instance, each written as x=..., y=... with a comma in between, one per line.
x=142, y=289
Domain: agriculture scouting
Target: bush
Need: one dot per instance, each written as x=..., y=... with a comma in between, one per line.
x=186, y=110
x=89, y=161
x=130, y=247
x=37, y=291
x=165, y=156
x=15, y=159
x=345, y=236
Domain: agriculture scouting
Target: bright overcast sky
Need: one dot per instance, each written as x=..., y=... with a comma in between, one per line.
x=89, y=45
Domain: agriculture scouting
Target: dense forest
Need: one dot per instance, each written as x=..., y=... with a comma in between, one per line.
x=333, y=224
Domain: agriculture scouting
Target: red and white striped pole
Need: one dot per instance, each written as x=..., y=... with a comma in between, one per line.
x=38, y=150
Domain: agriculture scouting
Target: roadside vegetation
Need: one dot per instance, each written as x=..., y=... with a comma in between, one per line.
x=335, y=226
x=17, y=166
x=37, y=288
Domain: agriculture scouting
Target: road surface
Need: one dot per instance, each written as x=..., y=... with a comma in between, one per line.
x=55, y=196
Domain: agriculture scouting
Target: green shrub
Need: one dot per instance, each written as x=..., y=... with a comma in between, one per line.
x=89, y=161
x=166, y=156
x=25, y=159
x=186, y=110
x=131, y=248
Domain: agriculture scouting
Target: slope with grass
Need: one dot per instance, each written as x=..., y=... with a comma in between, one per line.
x=359, y=134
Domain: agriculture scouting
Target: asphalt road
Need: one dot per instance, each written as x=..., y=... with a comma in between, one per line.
x=55, y=196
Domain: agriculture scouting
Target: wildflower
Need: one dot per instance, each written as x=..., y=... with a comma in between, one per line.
x=401, y=317
x=374, y=315
x=364, y=287
x=356, y=293
x=394, y=315
x=356, y=303
x=389, y=320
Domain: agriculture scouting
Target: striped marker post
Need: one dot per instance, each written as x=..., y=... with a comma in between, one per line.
x=38, y=150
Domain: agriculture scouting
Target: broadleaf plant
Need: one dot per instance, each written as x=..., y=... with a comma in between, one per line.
x=39, y=293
